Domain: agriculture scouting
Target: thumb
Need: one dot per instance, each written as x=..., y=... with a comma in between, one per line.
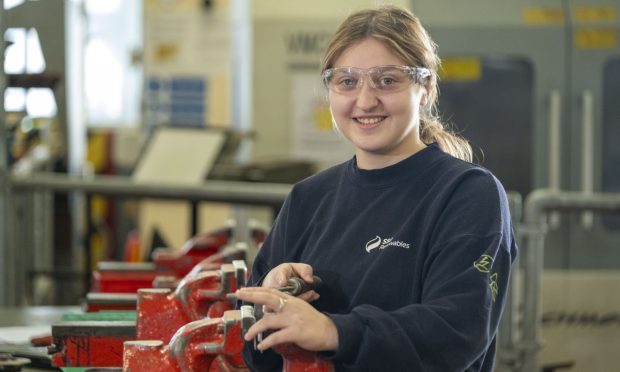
x=305, y=272
x=283, y=275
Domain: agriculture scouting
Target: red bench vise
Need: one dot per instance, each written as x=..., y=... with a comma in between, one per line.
x=98, y=301
x=161, y=312
x=128, y=277
x=213, y=344
x=90, y=343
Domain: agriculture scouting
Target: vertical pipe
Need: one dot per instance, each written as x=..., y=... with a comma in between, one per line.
x=507, y=333
x=5, y=217
x=532, y=256
x=555, y=149
x=587, y=153
x=241, y=79
x=554, y=140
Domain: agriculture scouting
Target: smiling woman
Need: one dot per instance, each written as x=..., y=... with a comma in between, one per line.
x=413, y=243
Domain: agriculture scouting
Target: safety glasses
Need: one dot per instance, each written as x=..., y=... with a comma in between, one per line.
x=383, y=79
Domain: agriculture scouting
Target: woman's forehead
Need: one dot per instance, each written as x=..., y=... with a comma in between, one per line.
x=366, y=53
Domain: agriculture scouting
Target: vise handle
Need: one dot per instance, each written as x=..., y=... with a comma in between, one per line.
x=296, y=286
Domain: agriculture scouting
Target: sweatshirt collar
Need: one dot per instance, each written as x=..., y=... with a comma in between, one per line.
x=404, y=169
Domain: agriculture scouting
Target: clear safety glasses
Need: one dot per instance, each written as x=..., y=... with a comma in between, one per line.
x=383, y=79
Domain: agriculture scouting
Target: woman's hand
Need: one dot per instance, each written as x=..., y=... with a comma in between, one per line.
x=279, y=275
x=290, y=319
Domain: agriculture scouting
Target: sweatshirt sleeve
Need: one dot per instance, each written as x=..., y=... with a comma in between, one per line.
x=466, y=275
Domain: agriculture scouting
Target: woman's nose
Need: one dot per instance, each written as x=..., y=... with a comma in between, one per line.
x=367, y=97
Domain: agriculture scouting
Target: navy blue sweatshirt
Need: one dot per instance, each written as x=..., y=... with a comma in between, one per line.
x=415, y=260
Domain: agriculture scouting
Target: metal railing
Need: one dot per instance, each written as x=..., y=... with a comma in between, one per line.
x=29, y=199
x=520, y=340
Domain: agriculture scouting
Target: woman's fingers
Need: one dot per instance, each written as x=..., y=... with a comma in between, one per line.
x=276, y=338
x=290, y=319
x=269, y=322
x=309, y=296
x=280, y=274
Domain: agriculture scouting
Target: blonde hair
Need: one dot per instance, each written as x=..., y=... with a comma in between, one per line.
x=404, y=35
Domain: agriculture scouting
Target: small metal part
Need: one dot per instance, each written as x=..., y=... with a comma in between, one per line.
x=10, y=363
x=247, y=318
x=98, y=298
x=241, y=271
x=125, y=266
x=258, y=314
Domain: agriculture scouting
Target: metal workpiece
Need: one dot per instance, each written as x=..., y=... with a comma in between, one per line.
x=297, y=286
x=11, y=363
x=247, y=318
x=194, y=347
x=538, y=205
x=96, y=301
x=125, y=266
x=216, y=191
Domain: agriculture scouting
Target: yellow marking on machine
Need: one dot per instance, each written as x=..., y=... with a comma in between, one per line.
x=595, y=38
x=542, y=16
x=594, y=14
x=460, y=69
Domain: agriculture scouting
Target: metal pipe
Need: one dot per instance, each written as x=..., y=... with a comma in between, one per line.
x=270, y=194
x=6, y=254
x=507, y=333
x=587, y=152
x=537, y=205
x=555, y=148
x=555, y=110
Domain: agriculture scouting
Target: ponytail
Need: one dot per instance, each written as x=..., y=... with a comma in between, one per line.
x=432, y=130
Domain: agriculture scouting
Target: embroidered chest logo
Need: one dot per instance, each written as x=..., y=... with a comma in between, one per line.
x=378, y=242
x=484, y=265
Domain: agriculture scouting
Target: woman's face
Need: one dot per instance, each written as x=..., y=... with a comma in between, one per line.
x=383, y=126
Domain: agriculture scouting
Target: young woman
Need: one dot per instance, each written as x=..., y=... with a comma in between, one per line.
x=413, y=242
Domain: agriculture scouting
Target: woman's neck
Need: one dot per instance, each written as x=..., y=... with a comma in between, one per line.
x=368, y=160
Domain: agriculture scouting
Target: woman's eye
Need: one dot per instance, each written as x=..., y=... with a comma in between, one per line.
x=348, y=82
x=387, y=81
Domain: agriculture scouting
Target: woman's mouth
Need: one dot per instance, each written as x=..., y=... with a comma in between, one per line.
x=369, y=122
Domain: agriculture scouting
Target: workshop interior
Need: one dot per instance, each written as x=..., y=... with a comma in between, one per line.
x=147, y=146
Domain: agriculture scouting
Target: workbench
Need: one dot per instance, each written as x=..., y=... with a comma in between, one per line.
x=19, y=324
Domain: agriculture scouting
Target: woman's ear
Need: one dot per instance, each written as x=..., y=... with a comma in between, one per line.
x=424, y=99
x=425, y=94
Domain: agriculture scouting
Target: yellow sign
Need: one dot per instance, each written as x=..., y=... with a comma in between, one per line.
x=595, y=14
x=460, y=69
x=323, y=118
x=543, y=16
x=595, y=38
